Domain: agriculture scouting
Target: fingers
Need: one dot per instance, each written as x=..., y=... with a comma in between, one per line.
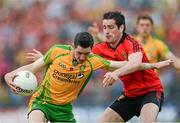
x=33, y=56
x=171, y=61
x=109, y=79
x=38, y=52
x=95, y=24
x=12, y=85
x=163, y=63
x=167, y=62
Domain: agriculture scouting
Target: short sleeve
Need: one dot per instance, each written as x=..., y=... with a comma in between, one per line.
x=96, y=50
x=54, y=51
x=48, y=57
x=163, y=49
x=98, y=62
x=132, y=45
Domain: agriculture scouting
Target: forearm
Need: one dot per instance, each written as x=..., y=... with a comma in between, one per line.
x=176, y=60
x=144, y=66
x=33, y=67
x=176, y=63
x=9, y=76
x=28, y=67
x=128, y=69
x=117, y=64
x=158, y=65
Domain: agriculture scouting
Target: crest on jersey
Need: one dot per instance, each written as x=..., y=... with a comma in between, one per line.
x=82, y=67
x=124, y=54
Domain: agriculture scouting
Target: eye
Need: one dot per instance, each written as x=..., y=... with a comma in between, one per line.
x=86, y=53
x=111, y=27
x=79, y=53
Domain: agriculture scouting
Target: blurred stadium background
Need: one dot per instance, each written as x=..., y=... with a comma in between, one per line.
x=28, y=24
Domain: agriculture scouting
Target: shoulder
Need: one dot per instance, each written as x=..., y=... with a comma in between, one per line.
x=99, y=47
x=159, y=42
x=102, y=44
x=96, y=59
x=60, y=46
x=94, y=56
x=130, y=38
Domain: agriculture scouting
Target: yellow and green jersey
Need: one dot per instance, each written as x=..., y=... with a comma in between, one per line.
x=154, y=48
x=63, y=81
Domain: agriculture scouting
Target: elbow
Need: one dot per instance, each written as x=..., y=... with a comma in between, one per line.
x=6, y=76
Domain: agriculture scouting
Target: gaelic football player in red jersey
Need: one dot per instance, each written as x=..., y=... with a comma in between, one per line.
x=143, y=91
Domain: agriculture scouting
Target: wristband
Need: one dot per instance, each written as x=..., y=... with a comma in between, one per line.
x=148, y=66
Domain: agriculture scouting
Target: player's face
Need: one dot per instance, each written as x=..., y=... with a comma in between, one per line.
x=81, y=54
x=111, y=31
x=144, y=28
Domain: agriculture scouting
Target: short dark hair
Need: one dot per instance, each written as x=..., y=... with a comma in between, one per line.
x=145, y=17
x=84, y=39
x=117, y=16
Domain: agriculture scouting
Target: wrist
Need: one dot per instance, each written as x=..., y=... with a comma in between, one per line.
x=117, y=73
x=149, y=66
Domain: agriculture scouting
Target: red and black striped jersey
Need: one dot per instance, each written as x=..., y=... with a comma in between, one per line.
x=136, y=83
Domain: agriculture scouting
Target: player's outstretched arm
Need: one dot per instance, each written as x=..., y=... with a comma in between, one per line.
x=33, y=67
x=33, y=56
x=143, y=66
x=111, y=77
x=157, y=65
x=176, y=60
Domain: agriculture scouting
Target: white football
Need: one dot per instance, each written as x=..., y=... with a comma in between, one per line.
x=27, y=83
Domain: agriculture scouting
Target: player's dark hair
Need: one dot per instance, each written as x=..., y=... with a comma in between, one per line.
x=117, y=16
x=83, y=39
x=144, y=17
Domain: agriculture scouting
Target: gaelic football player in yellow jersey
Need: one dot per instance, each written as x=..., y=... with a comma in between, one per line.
x=154, y=48
x=68, y=70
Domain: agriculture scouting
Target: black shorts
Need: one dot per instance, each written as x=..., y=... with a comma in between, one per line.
x=127, y=107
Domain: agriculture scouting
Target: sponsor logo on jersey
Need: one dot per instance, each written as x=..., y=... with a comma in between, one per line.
x=67, y=77
x=80, y=75
x=82, y=67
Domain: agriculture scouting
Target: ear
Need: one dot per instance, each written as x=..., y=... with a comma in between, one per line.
x=121, y=28
x=73, y=45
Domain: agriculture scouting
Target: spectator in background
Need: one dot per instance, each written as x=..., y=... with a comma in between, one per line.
x=155, y=48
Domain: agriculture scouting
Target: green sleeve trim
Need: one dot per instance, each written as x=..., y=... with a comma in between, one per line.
x=66, y=47
x=87, y=80
x=46, y=57
x=103, y=60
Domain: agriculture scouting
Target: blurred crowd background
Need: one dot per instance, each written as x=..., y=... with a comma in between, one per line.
x=38, y=24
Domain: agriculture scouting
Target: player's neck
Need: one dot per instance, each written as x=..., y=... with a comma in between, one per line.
x=145, y=38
